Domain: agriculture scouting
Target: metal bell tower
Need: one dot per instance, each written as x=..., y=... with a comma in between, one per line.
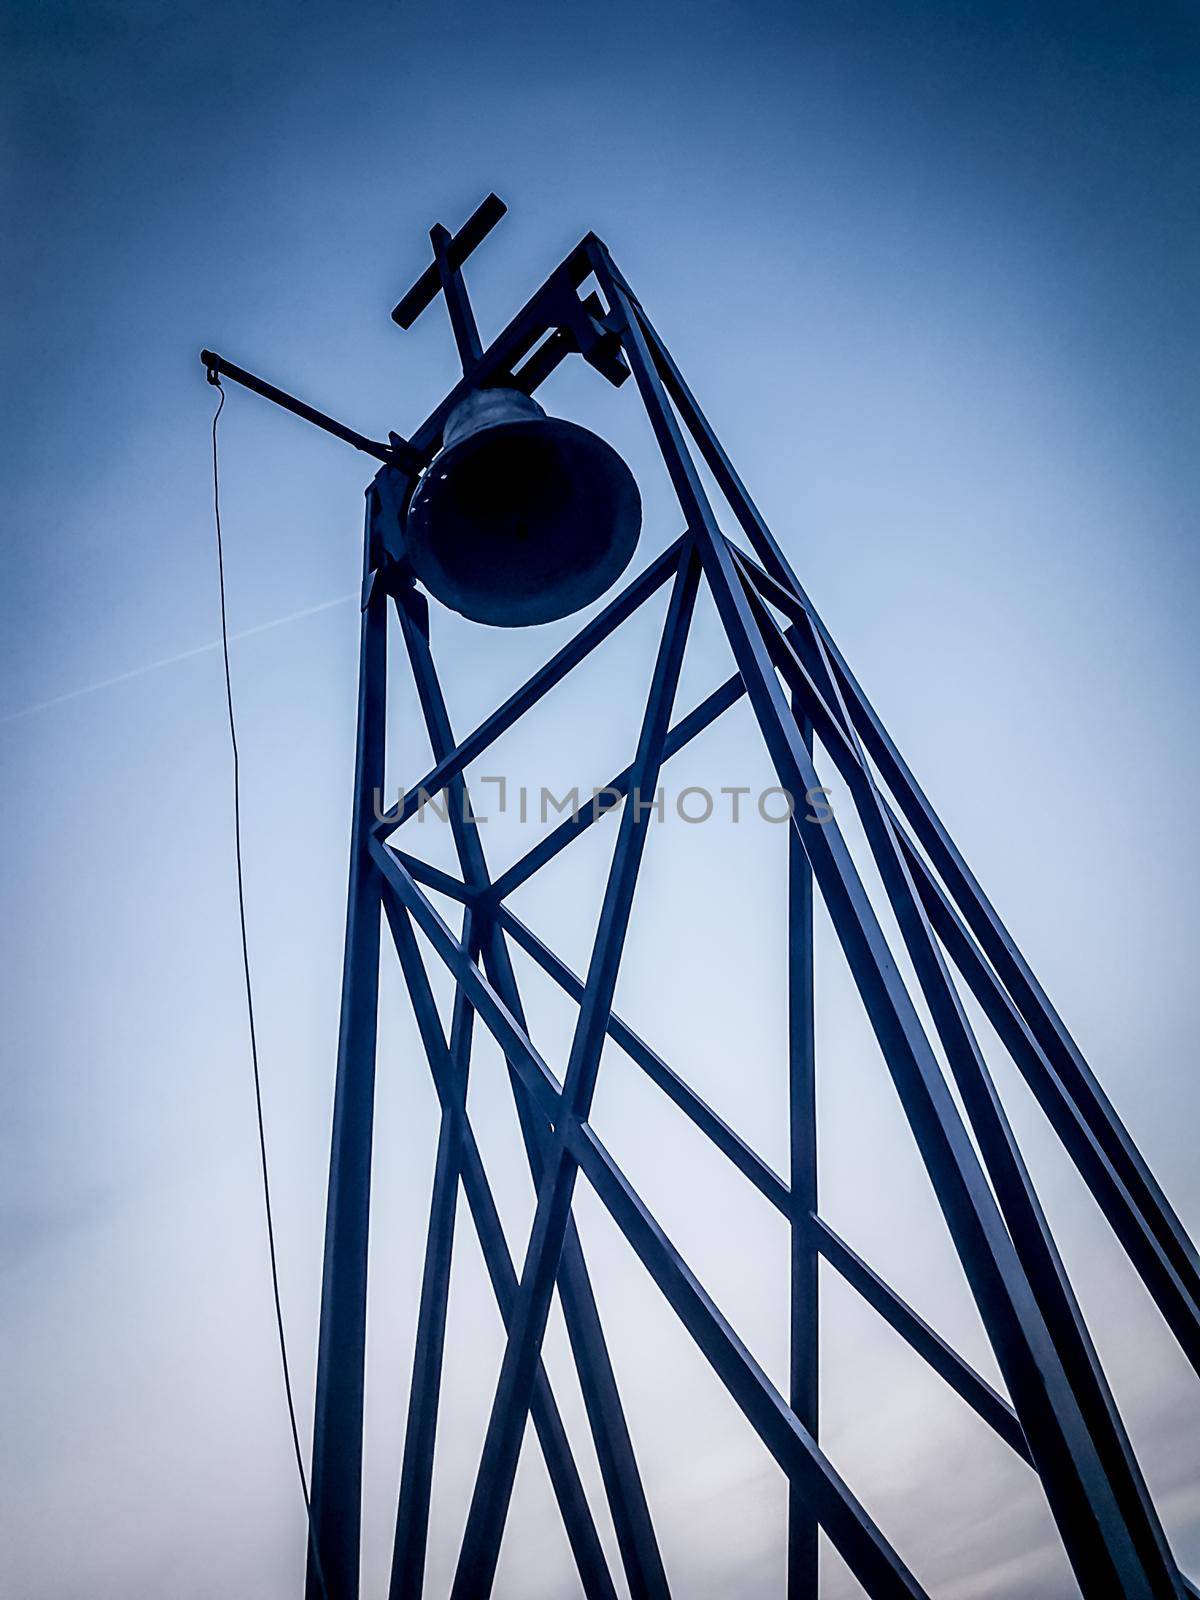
x=1059, y=1415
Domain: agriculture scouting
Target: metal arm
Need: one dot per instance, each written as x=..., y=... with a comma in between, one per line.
x=396, y=454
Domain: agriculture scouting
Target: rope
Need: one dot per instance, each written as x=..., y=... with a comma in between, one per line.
x=258, y=1099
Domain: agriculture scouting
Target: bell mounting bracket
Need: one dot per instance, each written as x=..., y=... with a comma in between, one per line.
x=553, y=324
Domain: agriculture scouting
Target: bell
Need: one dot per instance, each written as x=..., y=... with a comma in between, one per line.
x=520, y=518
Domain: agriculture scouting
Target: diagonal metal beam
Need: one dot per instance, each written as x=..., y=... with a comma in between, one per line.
x=1128, y=1222
x=416, y=1472
x=608, y=798
x=747, y=1161
x=1047, y=1028
x=614, y=1446
x=1014, y=1188
x=916, y=1332
x=799, y=654
x=527, y=696
x=1080, y=1495
x=857, y=1539
x=1125, y=1214
x=1031, y=1000
x=568, y=1488
x=434, y=878
x=900, y=1317
x=712, y=452
x=492, y=1011
x=493, y=1486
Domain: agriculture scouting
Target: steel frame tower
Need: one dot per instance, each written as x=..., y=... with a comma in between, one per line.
x=1059, y=1416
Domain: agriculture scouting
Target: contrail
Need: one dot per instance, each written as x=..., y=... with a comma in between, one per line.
x=170, y=661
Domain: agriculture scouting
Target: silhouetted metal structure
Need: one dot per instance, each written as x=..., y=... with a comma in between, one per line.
x=1059, y=1415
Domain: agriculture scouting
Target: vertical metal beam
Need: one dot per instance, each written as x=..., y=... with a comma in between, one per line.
x=338, y=1413
x=804, y=1389
x=506, y=1426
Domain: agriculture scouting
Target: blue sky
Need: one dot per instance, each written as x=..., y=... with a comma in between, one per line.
x=932, y=272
